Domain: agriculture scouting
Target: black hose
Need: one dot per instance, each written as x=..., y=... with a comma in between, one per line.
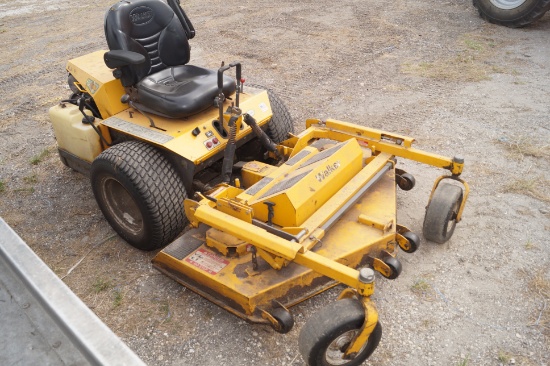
x=262, y=136
x=229, y=153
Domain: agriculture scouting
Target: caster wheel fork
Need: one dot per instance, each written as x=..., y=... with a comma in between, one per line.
x=345, y=332
x=407, y=240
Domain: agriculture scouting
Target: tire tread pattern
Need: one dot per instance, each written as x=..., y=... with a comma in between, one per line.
x=157, y=183
x=327, y=324
x=281, y=123
x=539, y=9
x=438, y=213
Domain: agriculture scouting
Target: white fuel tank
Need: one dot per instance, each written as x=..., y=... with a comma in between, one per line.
x=72, y=135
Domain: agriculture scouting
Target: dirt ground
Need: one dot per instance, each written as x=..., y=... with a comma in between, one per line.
x=430, y=69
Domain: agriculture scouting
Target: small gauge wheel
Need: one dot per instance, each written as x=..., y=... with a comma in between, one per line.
x=414, y=241
x=395, y=267
x=406, y=181
x=285, y=320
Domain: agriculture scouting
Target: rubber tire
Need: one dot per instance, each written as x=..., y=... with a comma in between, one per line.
x=414, y=241
x=281, y=124
x=141, y=174
x=395, y=266
x=524, y=14
x=439, y=213
x=328, y=324
x=285, y=320
x=410, y=182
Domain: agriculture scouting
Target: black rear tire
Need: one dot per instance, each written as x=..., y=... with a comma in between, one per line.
x=281, y=123
x=140, y=194
x=328, y=331
x=512, y=13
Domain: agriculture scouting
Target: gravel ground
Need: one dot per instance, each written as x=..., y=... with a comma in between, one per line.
x=430, y=69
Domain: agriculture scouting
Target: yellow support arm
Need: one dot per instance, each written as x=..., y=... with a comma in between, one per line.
x=244, y=231
x=382, y=141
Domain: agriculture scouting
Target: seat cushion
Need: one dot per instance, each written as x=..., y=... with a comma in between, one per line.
x=181, y=91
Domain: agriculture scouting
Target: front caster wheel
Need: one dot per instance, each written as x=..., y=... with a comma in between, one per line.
x=326, y=335
x=440, y=219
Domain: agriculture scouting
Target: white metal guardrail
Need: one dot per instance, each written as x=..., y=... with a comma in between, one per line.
x=43, y=322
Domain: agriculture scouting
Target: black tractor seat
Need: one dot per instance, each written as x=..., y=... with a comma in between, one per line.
x=149, y=50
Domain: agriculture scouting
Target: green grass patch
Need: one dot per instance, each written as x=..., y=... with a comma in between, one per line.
x=504, y=357
x=423, y=289
x=101, y=285
x=465, y=361
x=117, y=298
x=2, y=186
x=473, y=44
x=31, y=179
x=37, y=159
x=26, y=190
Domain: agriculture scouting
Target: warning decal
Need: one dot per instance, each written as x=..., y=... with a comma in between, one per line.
x=207, y=261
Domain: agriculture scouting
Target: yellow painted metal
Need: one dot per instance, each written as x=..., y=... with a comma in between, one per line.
x=465, y=193
x=253, y=171
x=361, y=131
x=276, y=175
x=403, y=242
x=198, y=279
x=371, y=319
x=275, y=262
x=299, y=192
x=245, y=231
x=335, y=270
x=97, y=79
x=286, y=269
x=183, y=142
x=379, y=141
x=348, y=245
x=226, y=244
x=379, y=266
x=235, y=209
x=371, y=221
x=340, y=197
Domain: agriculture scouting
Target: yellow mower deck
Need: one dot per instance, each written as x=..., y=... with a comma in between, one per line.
x=231, y=282
x=298, y=228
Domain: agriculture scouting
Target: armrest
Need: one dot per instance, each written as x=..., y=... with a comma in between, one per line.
x=119, y=58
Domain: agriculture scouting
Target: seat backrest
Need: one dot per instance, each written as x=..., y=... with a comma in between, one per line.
x=151, y=28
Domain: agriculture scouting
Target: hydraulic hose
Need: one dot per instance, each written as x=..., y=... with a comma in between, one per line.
x=262, y=136
x=229, y=153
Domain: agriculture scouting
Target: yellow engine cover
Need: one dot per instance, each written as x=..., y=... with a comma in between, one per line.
x=305, y=182
x=98, y=80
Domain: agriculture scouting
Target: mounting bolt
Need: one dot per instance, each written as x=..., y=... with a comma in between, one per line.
x=458, y=160
x=366, y=275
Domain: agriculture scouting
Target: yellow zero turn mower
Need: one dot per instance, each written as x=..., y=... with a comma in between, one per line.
x=275, y=217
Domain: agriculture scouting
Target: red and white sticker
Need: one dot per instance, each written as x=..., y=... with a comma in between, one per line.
x=207, y=261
